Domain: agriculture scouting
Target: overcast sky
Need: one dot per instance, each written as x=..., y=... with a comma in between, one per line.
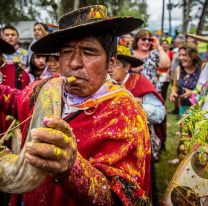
x=155, y=12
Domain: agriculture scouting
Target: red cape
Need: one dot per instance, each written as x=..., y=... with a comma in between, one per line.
x=113, y=143
x=139, y=86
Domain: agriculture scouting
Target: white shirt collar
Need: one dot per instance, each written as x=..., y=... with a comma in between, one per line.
x=126, y=78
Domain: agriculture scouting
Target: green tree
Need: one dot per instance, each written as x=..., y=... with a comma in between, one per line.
x=203, y=10
x=15, y=10
x=201, y=14
x=136, y=8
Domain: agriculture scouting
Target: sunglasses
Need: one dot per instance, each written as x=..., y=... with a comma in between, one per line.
x=148, y=39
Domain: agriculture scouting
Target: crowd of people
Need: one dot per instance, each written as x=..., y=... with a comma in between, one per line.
x=103, y=154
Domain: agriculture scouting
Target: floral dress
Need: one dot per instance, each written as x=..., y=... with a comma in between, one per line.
x=188, y=81
x=150, y=68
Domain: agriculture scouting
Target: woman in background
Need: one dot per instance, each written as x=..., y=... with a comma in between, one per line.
x=53, y=66
x=164, y=73
x=147, y=48
x=37, y=66
x=186, y=75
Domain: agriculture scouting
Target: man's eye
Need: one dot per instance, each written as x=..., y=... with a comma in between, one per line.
x=88, y=54
x=67, y=51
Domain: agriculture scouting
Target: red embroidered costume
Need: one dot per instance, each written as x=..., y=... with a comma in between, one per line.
x=139, y=86
x=113, y=153
x=9, y=78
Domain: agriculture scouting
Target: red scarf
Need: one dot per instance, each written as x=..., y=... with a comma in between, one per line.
x=139, y=86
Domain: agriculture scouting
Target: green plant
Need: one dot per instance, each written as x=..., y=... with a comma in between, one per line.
x=195, y=131
x=11, y=133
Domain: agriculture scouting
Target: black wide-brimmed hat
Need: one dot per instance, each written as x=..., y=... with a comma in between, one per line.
x=200, y=38
x=6, y=48
x=84, y=21
x=125, y=54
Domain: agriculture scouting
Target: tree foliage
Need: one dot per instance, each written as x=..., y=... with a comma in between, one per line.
x=136, y=8
x=201, y=13
x=18, y=10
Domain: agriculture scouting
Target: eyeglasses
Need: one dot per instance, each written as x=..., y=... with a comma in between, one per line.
x=148, y=39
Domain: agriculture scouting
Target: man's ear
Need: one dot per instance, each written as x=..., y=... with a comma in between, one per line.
x=128, y=67
x=112, y=63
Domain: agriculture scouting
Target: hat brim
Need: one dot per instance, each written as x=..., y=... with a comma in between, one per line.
x=6, y=48
x=53, y=54
x=132, y=60
x=53, y=42
x=200, y=38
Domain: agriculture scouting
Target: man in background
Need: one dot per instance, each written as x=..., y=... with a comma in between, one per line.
x=11, y=35
x=37, y=31
x=168, y=38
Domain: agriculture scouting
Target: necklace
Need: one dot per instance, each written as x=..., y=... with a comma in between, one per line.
x=1, y=75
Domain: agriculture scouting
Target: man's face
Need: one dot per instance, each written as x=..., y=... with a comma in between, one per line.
x=11, y=37
x=86, y=60
x=37, y=32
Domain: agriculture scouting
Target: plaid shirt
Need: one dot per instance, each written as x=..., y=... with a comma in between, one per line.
x=20, y=55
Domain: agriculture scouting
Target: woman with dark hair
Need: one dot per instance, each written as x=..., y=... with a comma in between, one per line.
x=164, y=73
x=147, y=48
x=53, y=66
x=186, y=75
x=37, y=66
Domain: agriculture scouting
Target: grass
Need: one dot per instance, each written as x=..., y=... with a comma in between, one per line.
x=165, y=169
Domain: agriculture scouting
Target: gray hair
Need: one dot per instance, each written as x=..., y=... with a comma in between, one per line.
x=180, y=38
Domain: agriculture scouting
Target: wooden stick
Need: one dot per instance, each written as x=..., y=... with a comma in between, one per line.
x=5, y=135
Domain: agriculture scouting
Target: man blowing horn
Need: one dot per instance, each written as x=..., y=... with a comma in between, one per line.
x=98, y=152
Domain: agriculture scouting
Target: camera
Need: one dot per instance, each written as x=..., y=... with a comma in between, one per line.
x=180, y=91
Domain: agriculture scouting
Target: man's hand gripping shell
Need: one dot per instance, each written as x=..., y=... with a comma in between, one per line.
x=56, y=149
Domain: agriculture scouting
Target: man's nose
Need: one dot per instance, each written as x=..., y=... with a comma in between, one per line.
x=76, y=61
x=111, y=69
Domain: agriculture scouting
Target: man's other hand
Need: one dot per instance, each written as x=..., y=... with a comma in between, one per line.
x=56, y=149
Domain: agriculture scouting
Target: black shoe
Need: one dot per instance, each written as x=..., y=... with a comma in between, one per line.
x=175, y=111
